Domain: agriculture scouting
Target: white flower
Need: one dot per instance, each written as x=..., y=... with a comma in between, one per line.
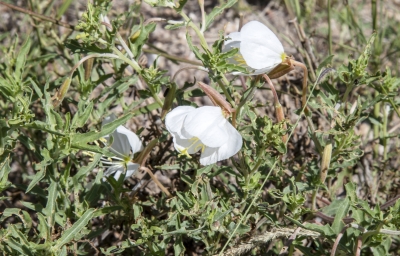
x=260, y=50
x=124, y=145
x=205, y=129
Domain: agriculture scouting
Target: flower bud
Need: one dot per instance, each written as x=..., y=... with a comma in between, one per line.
x=169, y=99
x=325, y=162
x=59, y=96
x=216, y=98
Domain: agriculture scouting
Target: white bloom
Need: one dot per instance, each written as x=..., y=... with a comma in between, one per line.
x=204, y=129
x=124, y=145
x=260, y=50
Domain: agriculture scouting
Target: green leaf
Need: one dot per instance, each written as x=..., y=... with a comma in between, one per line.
x=81, y=138
x=168, y=167
x=63, y=251
x=178, y=246
x=4, y=172
x=93, y=148
x=217, y=11
x=82, y=115
x=161, y=3
x=9, y=212
x=107, y=210
x=84, y=170
x=21, y=59
x=36, y=88
x=43, y=227
x=38, y=177
x=93, y=195
x=23, y=250
x=325, y=62
x=18, y=234
x=341, y=212
x=242, y=229
x=50, y=209
x=69, y=234
x=220, y=215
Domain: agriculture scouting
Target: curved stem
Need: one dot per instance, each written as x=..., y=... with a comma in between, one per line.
x=196, y=29
x=107, y=55
x=203, y=16
x=171, y=57
x=132, y=63
x=187, y=68
x=126, y=48
x=305, y=77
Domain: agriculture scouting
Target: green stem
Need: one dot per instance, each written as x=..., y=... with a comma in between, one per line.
x=329, y=28
x=394, y=107
x=128, y=51
x=373, y=13
x=204, y=44
x=346, y=93
x=384, y=132
x=314, y=199
x=203, y=41
x=132, y=63
x=377, y=111
x=171, y=57
x=225, y=91
x=203, y=16
x=96, y=55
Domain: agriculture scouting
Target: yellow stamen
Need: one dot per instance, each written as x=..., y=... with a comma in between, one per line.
x=283, y=56
x=194, y=140
x=240, y=60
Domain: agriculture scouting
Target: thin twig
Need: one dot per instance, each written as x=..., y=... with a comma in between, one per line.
x=154, y=178
x=335, y=245
x=358, y=246
x=141, y=159
x=267, y=237
x=289, y=242
x=42, y=17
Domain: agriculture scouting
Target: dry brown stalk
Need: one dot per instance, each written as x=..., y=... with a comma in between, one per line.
x=267, y=237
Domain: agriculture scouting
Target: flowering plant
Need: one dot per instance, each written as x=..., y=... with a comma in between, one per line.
x=253, y=181
x=123, y=143
x=260, y=51
x=203, y=129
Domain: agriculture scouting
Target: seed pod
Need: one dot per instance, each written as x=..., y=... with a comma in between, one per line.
x=325, y=162
x=59, y=96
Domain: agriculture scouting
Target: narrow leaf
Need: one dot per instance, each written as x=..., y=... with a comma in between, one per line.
x=51, y=203
x=69, y=234
x=217, y=11
x=81, y=138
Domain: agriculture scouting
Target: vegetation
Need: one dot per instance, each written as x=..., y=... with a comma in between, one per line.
x=317, y=172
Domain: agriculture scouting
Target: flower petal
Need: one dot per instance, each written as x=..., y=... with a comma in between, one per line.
x=191, y=145
x=230, y=148
x=174, y=119
x=233, y=37
x=131, y=169
x=260, y=56
x=113, y=169
x=133, y=141
x=208, y=124
x=258, y=33
x=260, y=47
x=124, y=140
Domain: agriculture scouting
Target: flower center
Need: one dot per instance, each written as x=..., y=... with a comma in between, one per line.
x=283, y=56
x=196, y=145
x=240, y=60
